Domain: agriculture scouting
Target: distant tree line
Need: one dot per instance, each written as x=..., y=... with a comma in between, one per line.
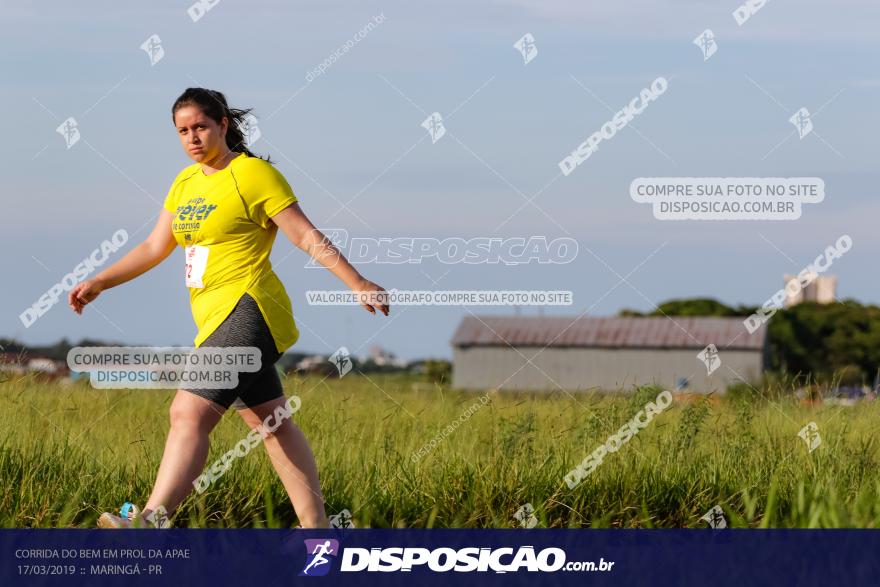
x=839, y=340
x=434, y=370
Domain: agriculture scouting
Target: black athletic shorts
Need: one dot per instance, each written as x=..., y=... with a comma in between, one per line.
x=245, y=326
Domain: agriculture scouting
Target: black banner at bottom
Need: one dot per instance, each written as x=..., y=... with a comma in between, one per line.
x=437, y=557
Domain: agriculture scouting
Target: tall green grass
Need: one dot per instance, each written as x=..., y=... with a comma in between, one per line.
x=68, y=452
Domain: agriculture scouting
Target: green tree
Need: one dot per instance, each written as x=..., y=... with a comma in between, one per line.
x=808, y=339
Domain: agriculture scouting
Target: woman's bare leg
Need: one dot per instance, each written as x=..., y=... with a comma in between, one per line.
x=186, y=450
x=293, y=461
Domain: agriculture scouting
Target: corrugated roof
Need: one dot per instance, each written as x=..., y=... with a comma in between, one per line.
x=608, y=332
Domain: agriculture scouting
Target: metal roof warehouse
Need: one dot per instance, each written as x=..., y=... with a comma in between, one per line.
x=609, y=353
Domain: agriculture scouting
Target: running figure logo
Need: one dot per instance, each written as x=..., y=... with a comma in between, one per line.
x=342, y=360
x=342, y=520
x=317, y=553
x=70, y=131
x=526, y=516
x=715, y=518
x=710, y=357
x=706, y=42
x=527, y=48
x=434, y=125
x=810, y=435
x=335, y=238
x=153, y=48
x=250, y=130
x=802, y=122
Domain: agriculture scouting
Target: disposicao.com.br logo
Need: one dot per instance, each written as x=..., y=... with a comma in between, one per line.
x=442, y=560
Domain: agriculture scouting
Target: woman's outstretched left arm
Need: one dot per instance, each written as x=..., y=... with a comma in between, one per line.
x=299, y=229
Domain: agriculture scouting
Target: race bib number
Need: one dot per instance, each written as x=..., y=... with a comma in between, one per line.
x=196, y=263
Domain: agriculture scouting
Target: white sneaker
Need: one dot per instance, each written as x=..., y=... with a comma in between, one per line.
x=130, y=518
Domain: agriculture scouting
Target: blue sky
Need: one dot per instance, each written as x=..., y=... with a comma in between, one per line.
x=358, y=126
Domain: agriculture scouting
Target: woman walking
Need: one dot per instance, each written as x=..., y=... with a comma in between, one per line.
x=225, y=210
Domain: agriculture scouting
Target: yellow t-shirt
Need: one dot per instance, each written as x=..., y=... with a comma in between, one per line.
x=228, y=213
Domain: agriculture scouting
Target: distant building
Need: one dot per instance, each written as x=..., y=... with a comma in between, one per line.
x=822, y=290
x=44, y=365
x=21, y=363
x=606, y=353
x=311, y=363
x=382, y=357
x=7, y=358
x=13, y=363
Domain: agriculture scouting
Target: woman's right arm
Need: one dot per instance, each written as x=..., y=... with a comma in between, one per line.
x=137, y=261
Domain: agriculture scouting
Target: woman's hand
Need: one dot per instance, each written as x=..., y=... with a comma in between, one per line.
x=83, y=293
x=372, y=297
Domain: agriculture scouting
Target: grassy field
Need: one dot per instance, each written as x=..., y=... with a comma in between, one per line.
x=68, y=452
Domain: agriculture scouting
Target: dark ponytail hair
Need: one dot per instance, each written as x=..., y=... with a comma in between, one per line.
x=214, y=105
